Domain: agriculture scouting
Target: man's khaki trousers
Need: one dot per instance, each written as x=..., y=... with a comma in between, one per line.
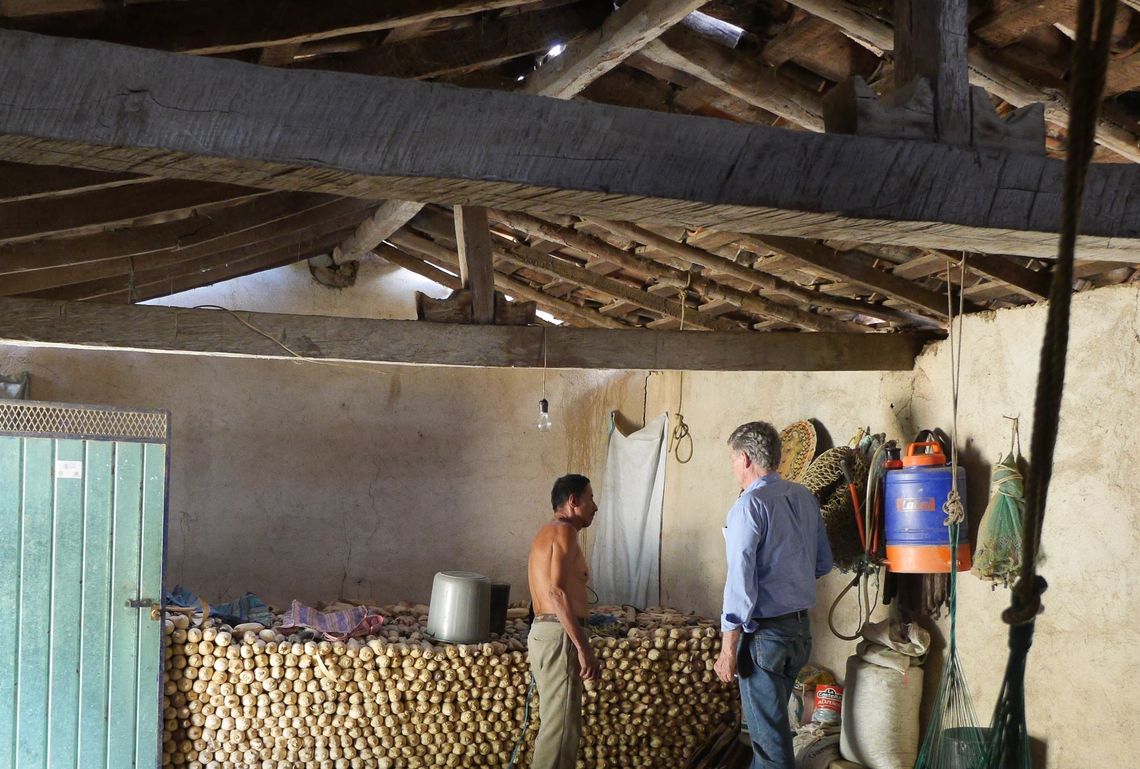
x=554, y=664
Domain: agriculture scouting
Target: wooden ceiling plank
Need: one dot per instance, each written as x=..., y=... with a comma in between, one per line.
x=148, y=270
x=513, y=151
x=737, y=74
x=203, y=225
x=194, y=28
x=13, y=9
x=984, y=71
x=1020, y=17
x=1123, y=75
x=608, y=286
x=627, y=30
x=848, y=268
x=723, y=266
x=674, y=277
x=214, y=270
x=562, y=309
x=464, y=50
x=275, y=230
x=212, y=332
x=22, y=181
x=27, y=219
x=424, y=269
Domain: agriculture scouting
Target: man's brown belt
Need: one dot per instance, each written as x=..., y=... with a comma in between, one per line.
x=554, y=618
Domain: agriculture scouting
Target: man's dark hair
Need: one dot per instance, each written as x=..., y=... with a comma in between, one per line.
x=565, y=487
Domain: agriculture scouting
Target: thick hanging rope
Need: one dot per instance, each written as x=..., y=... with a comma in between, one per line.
x=1090, y=61
x=1008, y=745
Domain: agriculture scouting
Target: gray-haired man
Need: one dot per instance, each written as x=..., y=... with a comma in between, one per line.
x=777, y=547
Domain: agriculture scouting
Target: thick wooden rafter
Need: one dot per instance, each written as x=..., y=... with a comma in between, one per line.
x=622, y=34
x=738, y=75
x=213, y=332
x=630, y=28
x=984, y=70
x=850, y=268
x=560, y=308
x=83, y=211
x=271, y=229
x=203, y=272
x=19, y=181
x=463, y=50
x=671, y=276
x=723, y=266
x=195, y=28
x=567, y=270
x=204, y=224
x=187, y=116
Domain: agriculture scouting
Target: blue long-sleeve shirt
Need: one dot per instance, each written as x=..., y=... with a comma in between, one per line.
x=777, y=547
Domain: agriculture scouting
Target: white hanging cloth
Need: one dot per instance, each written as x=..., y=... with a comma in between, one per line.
x=627, y=543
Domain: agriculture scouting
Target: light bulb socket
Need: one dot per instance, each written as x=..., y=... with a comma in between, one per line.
x=544, y=406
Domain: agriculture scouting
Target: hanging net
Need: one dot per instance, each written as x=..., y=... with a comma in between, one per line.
x=953, y=740
x=998, y=555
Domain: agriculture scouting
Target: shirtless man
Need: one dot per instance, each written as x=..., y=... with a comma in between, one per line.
x=560, y=655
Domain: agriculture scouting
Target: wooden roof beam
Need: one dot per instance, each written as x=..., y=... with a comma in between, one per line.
x=999, y=80
x=151, y=284
x=21, y=181
x=721, y=265
x=849, y=268
x=458, y=51
x=271, y=229
x=621, y=35
x=737, y=74
x=207, y=118
x=195, y=28
x=567, y=270
x=628, y=30
x=674, y=277
x=560, y=308
x=92, y=210
x=206, y=223
x=213, y=332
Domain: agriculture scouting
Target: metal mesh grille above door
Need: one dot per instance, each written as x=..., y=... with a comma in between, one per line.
x=65, y=421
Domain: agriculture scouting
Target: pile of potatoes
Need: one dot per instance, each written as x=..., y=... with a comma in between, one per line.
x=248, y=696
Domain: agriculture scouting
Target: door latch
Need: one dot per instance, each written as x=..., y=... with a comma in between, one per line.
x=146, y=603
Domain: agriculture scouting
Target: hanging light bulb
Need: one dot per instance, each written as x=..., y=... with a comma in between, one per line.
x=544, y=423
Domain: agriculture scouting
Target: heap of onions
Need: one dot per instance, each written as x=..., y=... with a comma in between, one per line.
x=250, y=697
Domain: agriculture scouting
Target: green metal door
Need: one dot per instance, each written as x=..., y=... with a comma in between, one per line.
x=82, y=534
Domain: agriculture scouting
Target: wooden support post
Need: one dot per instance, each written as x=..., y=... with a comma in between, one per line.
x=473, y=235
x=930, y=42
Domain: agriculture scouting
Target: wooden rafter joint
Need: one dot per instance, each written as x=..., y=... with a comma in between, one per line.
x=852, y=107
x=460, y=308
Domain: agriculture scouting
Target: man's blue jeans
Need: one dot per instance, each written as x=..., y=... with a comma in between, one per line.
x=768, y=662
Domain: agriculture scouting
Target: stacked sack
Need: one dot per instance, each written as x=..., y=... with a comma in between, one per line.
x=814, y=712
x=883, y=694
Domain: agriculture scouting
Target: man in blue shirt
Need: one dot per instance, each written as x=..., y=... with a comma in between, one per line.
x=777, y=548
